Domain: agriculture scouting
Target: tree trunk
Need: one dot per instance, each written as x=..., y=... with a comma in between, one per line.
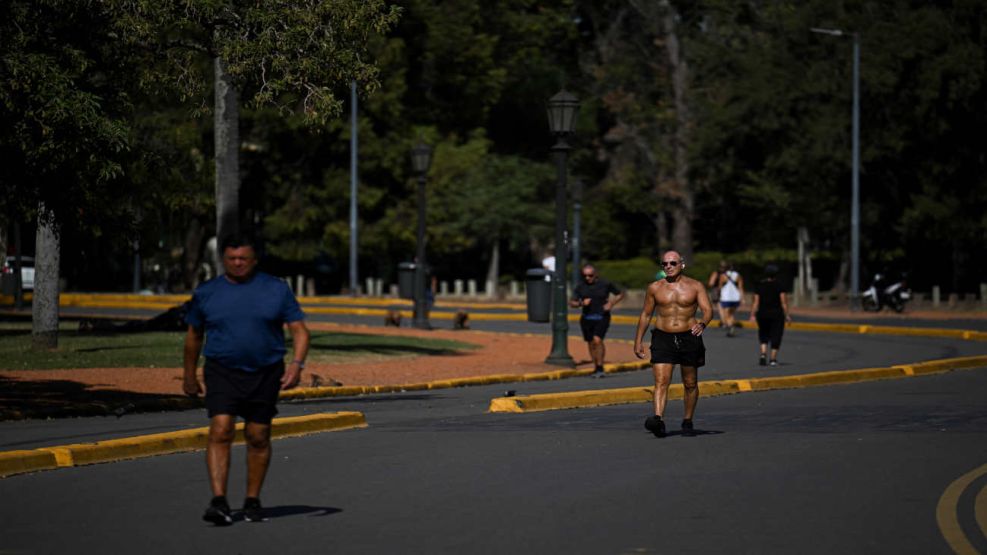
x=192, y=254
x=227, y=142
x=682, y=226
x=44, y=308
x=493, y=270
x=3, y=240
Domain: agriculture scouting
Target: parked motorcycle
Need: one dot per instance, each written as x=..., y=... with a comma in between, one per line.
x=881, y=294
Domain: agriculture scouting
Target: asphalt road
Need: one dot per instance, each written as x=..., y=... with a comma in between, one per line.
x=851, y=468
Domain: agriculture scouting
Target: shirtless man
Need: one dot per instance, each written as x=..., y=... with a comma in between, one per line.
x=676, y=339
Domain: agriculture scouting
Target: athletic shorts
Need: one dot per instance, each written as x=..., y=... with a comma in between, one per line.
x=251, y=395
x=595, y=326
x=729, y=304
x=677, y=348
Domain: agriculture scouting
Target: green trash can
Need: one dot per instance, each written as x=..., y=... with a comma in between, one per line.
x=538, y=290
x=406, y=280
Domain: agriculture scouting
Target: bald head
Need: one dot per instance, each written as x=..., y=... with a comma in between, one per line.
x=672, y=264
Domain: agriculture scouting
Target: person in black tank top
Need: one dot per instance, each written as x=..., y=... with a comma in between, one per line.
x=770, y=311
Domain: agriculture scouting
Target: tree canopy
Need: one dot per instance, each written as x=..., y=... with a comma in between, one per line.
x=732, y=118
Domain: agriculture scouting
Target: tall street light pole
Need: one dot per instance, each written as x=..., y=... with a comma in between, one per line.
x=562, y=109
x=577, y=208
x=855, y=200
x=354, y=128
x=421, y=157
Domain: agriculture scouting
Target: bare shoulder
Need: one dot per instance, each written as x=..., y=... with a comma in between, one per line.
x=692, y=283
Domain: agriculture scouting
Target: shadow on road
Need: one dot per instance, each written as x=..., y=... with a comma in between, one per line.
x=62, y=398
x=282, y=511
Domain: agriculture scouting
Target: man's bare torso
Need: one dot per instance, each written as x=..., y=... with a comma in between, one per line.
x=675, y=303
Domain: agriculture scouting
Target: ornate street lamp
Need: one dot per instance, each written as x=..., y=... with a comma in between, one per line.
x=421, y=158
x=562, y=110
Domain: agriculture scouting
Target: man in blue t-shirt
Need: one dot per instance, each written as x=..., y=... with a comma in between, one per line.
x=240, y=316
x=593, y=296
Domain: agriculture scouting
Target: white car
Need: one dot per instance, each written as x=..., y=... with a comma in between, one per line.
x=27, y=271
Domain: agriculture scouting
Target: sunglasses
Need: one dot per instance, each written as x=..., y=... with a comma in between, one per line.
x=588, y=275
x=671, y=263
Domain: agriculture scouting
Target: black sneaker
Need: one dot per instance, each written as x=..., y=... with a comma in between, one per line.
x=655, y=425
x=773, y=362
x=218, y=512
x=687, y=429
x=763, y=361
x=598, y=372
x=252, y=511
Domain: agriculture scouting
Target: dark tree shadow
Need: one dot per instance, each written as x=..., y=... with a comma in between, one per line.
x=21, y=399
x=389, y=350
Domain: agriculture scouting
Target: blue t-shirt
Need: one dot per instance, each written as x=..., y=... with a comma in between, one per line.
x=244, y=322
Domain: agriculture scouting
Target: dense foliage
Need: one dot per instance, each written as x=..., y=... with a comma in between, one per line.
x=729, y=118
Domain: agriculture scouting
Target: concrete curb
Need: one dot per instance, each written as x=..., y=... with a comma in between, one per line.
x=48, y=458
x=602, y=397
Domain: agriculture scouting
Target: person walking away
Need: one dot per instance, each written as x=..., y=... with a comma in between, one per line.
x=770, y=311
x=593, y=295
x=676, y=338
x=240, y=316
x=713, y=285
x=731, y=295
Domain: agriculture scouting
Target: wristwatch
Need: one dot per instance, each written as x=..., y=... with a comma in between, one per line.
x=300, y=363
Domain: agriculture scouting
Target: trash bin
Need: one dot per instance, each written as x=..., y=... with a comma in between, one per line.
x=538, y=289
x=406, y=280
x=8, y=285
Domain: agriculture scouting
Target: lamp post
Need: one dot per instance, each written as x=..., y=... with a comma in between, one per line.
x=562, y=110
x=577, y=208
x=421, y=157
x=354, y=145
x=855, y=179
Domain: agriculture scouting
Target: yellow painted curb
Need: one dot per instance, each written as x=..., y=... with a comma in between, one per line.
x=46, y=458
x=17, y=462
x=601, y=397
x=348, y=391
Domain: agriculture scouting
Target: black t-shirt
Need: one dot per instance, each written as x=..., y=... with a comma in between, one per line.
x=598, y=292
x=769, y=298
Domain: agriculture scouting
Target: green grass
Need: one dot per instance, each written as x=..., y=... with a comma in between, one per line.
x=164, y=349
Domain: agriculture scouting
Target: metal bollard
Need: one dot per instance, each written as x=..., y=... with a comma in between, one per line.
x=457, y=287
x=471, y=287
x=935, y=296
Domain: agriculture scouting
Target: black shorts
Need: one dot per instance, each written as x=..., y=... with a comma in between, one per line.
x=770, y=329
x=252, y=395
x=677, y=348
x=596, y=328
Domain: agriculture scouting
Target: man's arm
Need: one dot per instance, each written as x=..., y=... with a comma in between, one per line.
x=193, y=347
x=644, y=320
x=619, y=296
x=300, y=342
x=706, y=307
